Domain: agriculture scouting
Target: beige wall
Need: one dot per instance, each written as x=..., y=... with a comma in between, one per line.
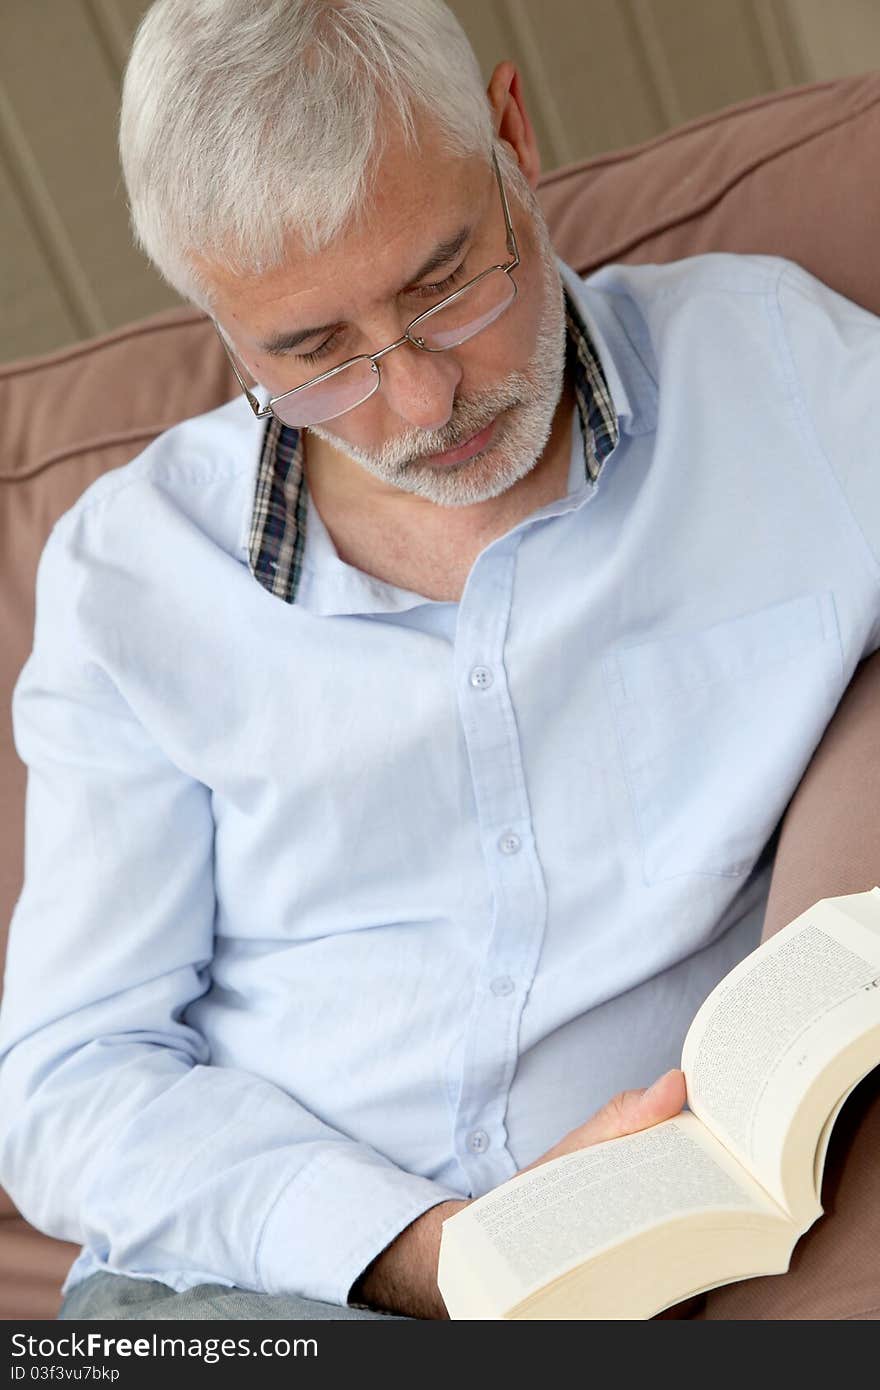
x=598, y=74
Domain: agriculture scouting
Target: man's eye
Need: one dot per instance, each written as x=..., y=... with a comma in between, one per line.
x=422, y=291
x=326, y=347
x=443, y=286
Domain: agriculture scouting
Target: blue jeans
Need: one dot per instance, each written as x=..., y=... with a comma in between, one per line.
x=116, y=1296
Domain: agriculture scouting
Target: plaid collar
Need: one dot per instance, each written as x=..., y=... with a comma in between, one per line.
x=276, y=543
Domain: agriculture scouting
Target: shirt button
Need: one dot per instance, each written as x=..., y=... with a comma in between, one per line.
x=509, y=842
x=478, y=1142
x=502, y=984
x=481, y=678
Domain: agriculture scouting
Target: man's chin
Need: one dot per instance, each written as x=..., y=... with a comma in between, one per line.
x=468, y=483
x=486, y=475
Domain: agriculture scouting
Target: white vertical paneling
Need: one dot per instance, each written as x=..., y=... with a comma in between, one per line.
x=648, y=32
x=524, y=20
x=59, y=120
x=34, y=315
x=113, y=31
x=71, y=283
x=127, y=14
x=583, y=57
x=487, y=25
x=837, y=37
x=785, y=57
x=705, y=55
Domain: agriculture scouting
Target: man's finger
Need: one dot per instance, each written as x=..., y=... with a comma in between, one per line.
x=631, y=1111
x=627, y=1113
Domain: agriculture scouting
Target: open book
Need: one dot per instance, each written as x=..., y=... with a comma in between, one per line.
x=628, y=1227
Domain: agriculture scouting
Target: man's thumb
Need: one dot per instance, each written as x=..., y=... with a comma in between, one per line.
x=625, y=1114
x=631, y=1111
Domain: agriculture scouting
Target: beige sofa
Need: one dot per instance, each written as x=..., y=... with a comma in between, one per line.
x=793, y=174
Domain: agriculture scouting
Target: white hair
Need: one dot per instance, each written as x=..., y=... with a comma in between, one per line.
x=245, y=120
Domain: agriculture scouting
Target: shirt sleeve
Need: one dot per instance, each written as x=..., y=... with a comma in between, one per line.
x=116, y=1131
x=833, y=347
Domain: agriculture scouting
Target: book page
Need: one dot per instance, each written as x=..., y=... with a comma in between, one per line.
x=825, y=1138
x=537, y=1225
x=770, y=1027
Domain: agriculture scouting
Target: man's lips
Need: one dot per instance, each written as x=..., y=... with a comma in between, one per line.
x=471, y=446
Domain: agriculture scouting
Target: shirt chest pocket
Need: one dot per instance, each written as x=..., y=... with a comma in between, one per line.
x=716, y=727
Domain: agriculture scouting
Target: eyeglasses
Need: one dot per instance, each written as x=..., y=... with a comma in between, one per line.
x=447, y=324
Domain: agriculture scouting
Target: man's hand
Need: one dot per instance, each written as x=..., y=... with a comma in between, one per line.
x=403, y=1279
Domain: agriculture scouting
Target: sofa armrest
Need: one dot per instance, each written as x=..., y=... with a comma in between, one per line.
x=829, y=842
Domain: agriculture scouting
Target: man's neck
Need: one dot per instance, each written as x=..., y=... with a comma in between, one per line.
x=415, y=544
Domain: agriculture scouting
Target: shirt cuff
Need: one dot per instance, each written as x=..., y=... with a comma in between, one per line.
x=332, y=1220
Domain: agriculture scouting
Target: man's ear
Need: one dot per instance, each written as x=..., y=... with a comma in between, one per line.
x=511, y=119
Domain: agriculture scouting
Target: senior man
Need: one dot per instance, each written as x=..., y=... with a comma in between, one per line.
x=406, y=738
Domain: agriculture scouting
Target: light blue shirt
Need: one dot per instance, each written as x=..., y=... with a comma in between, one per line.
x=336, y=909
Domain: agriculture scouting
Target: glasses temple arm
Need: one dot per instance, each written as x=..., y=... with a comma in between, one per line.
x=252, y=401
x=512, y=248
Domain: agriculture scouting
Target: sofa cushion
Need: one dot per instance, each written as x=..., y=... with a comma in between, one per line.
x=792, y=174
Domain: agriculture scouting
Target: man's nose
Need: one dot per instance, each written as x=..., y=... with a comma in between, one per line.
x=420, y=386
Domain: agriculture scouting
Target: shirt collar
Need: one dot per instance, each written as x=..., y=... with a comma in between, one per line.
x=276, y=539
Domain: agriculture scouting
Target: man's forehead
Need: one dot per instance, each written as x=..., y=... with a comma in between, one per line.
x=414, y=212
x=311, y=325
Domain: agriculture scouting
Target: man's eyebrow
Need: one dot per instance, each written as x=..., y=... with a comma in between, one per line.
x=446, y=251
x=279, y=343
